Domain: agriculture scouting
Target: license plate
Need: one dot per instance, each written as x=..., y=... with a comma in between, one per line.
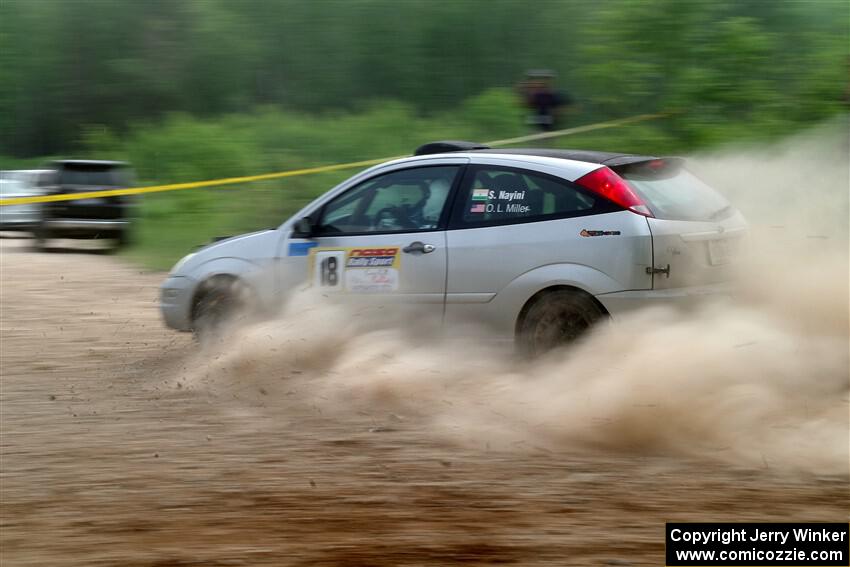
x=722, y=251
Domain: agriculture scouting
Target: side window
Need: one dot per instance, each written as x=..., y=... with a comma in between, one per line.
x=496, y=195
x=401, y=201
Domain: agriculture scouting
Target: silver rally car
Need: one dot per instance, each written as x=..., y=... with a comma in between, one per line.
x=538, y=244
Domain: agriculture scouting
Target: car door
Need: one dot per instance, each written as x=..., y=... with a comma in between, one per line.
x=515, y=231
x=385, y=237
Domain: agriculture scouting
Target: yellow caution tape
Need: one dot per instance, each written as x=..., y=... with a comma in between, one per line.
x=306, y=171
x=190, y=185
x=578, y=129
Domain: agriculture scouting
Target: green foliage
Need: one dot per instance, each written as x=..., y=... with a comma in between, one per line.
x=69, y=64
x=202, y=89
x=765, y=67
x=183, y=148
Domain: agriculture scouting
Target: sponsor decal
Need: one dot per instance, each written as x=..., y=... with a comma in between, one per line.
x=371, y=258
x=356, y=270
x=371, y=280
x=300, y=248
x=586, y=232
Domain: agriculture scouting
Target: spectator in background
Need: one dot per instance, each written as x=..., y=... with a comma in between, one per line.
x=543, y=100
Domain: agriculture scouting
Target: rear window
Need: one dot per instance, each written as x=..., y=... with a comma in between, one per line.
x=674, y=193
x=94, y=174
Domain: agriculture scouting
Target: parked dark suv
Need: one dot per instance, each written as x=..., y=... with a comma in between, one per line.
x=103, y=217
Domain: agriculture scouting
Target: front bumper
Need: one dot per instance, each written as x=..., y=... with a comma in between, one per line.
x=18, y=224
x=623, y=302
x=86, y=224
x=18, y=217
x=175, y=304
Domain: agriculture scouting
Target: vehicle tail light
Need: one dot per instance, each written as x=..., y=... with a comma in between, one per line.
x=608, y=184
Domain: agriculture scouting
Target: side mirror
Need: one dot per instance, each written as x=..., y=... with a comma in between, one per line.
x=303, y=228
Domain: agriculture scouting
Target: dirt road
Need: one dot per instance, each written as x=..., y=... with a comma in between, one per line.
x=113, y=453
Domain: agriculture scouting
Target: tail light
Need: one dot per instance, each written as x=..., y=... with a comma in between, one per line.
x=608, y=184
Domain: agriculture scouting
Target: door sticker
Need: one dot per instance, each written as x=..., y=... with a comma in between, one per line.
x=584, y=232
x=300, y=248
x=356, y=270
x=492, y=201
x=328, y=269
x=480, y=194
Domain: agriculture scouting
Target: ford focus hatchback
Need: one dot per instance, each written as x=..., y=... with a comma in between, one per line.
x=538, y=245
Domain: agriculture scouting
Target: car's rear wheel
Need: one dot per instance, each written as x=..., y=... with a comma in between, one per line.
x=222, y=304
x=556, y=318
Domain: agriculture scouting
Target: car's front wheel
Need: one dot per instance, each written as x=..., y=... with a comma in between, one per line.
x=222, y=303
x=556, y=318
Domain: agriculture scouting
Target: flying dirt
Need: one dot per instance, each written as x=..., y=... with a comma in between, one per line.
x=757, y=381
x=322, y=439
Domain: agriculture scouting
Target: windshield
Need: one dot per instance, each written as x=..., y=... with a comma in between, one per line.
x=10, y=187
x=677, y=194
x=92, y=174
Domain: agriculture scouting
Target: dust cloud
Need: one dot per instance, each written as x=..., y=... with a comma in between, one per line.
x=758, y=382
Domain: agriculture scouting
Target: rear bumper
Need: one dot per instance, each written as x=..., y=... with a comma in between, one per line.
x=175, y=304
x=623, y=302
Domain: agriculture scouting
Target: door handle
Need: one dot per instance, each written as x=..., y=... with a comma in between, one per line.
x=650, y=270
x=420, y=247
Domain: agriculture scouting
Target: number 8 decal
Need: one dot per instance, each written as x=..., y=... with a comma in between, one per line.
x=329, y=274
x=328, y=269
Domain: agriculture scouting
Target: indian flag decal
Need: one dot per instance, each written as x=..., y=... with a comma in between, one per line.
x=480, y=194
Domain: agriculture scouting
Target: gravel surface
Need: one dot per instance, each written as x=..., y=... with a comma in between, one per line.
x=113, y=453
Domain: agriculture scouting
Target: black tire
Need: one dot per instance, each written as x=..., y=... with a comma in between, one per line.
x=556, y=318
x=40, y=236
x=123, y=239
x=223, y=303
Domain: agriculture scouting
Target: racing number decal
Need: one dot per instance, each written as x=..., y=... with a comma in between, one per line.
x=328, y=269
x=357, y=270
x=330, y=277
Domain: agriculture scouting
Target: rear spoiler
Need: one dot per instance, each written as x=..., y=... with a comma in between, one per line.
x=629, y=160
x=655, y=167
